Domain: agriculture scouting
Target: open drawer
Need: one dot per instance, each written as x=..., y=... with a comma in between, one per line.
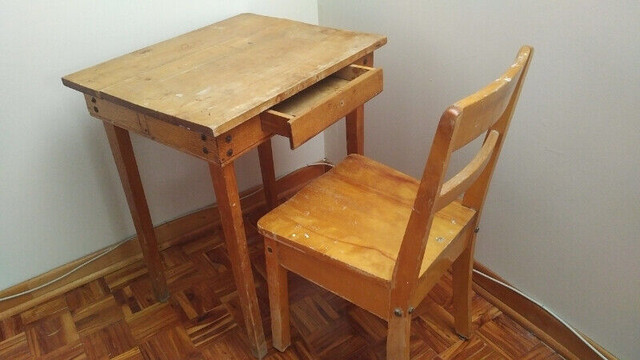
x=312, y=110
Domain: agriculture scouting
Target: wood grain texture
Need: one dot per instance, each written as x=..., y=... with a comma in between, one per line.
x=226, y=189
x=193, y=80
x=120, y=319
x=319, y=320
x=125, y=160
x=394, y=236
x=312, y=110
x=385, y=197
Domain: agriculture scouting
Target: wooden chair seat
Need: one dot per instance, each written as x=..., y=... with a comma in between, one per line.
x=382, y=239
x=357, y=214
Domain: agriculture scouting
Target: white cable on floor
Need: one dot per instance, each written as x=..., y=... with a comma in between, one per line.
x=101, y=254
x=544, y=308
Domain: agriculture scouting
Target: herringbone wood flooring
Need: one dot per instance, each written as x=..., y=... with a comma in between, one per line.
x=116, y=317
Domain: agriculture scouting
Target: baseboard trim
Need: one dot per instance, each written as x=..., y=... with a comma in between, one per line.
x=534, y=318
x=168, y=234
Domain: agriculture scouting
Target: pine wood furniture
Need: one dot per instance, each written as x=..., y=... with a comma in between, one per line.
x=220, y=91
x=381, y=239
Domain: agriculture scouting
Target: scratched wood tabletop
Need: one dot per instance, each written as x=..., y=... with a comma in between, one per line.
x=216, y=77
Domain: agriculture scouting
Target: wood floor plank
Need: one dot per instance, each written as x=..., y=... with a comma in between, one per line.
x=51, y=333
x=133, y=354
x=10, y=327
x=147, y=322
x=474, y=349
x=513, y=341
x=15, y=347
x=116, y=316
x=108, y=342
x=96, y=316
x=170, y=343
x=48, y=308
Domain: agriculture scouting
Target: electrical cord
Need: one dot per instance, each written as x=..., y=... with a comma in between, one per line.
x=544, y=308
x=118, y=244
x=101, y=254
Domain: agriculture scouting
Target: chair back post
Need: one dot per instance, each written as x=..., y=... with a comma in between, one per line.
x=475, y=196
x=408, y=262
x=488, y=111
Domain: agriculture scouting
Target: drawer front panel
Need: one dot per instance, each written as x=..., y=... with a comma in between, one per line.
x=309, y=112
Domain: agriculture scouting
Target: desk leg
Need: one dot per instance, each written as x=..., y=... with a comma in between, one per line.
x=265, y=153
x=130, y=177
x=355, y=131
x=226, y=189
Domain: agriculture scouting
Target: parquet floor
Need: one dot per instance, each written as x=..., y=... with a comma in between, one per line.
x=116, y=317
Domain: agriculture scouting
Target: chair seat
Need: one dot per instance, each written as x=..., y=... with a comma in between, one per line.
x=357, y=214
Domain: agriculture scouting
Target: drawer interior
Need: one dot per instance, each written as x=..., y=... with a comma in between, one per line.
x=312, y=110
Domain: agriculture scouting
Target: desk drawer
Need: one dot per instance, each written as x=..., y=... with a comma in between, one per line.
x=312, y=110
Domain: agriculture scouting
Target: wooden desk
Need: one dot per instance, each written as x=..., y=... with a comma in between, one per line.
x=220, y=91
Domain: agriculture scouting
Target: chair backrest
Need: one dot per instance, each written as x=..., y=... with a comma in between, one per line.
x=486, y=112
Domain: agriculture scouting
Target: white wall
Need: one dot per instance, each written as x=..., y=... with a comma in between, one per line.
x=563, y=215
x=60, y=195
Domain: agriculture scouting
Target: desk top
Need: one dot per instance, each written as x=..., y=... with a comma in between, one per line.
x=212, y=79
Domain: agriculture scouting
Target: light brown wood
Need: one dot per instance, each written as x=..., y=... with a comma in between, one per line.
x=398, y=338
x=187, y=80
x=354, y=121
x=128, y=169
x=203, y=93
x=309, y=112
x=180, y=138
x=355, y=131
x=367, y=222
x=226, y=189
x=265, y=155
x=384, y=201
x=462, y=269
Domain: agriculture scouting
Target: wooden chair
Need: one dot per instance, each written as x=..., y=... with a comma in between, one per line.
x=381, y=239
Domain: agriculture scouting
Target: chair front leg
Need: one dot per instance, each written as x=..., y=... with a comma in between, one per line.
x=398, y=336
x=278, y=296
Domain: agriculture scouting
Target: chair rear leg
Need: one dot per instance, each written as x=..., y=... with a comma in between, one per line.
x=398, y=335
x=462, y=269
x=278, y=296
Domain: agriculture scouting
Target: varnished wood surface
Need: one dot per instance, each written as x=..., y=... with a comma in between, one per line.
x=394, y=236
x=334, y=225
x=212, y=79
x=116, y=317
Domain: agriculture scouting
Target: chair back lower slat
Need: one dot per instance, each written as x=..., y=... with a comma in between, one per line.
x=460, y=182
